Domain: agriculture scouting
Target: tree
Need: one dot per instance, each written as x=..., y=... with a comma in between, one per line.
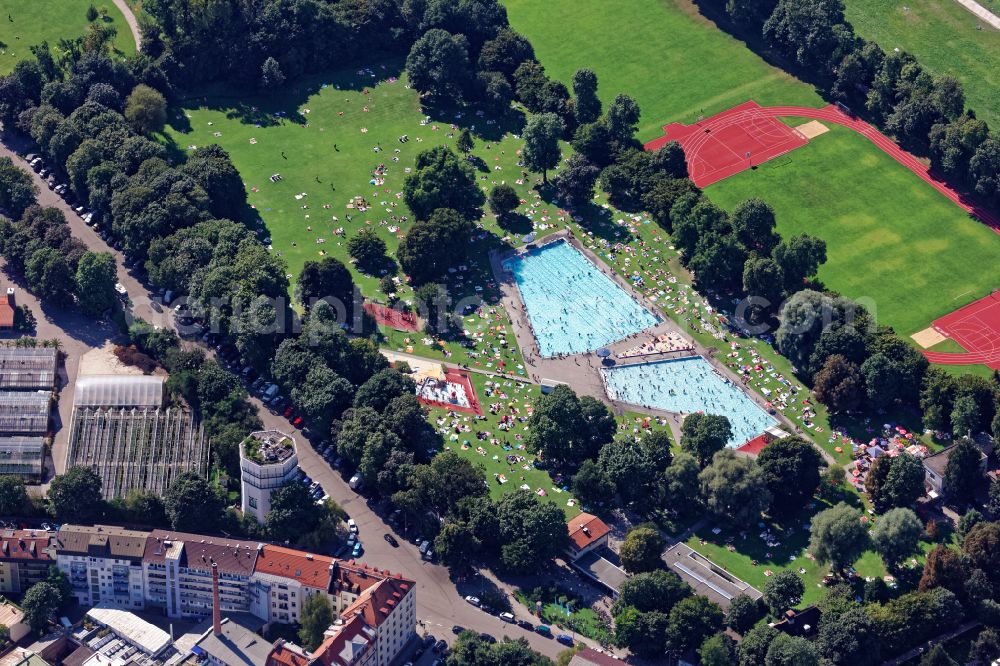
x=754, y=224
x=782, y=591
x=839, y=384
x=146, y=109
x=532, y=532
x=805, y=316
x=39, y=604
x=212, y=168
x=465, y=144
x=703, y=435
x=541, y=143
x=438, y=64
x=13, y=495
x=505, y=52
x=896, y=535
x=752, y=650
x=849, y=637
x=964, y=472
x=368, y=249
x=271, y=76
x=791, y=470
x=382, y=388
x=96, y=276
x=743, y=613
x=577, y=179
x=718, y=650
x=837, y=536
x=642, y=550
x=807, y=32
x=943, y=568
x=323, y=396
x=986, y=648
x=17, y=189
x=441, y=180
x=644, y=634
x=328, y=279
x=192, y=504
x=293, y=513
x=691, y=621
x=895, y=481
x=567, y=428
x=75, y=496
x=982, y=547
x=588, y=104
x=799, y=257
x=315, y=618
x=591, y=485
x=680, y=488
x=993, y=501
x=734, y=489
x=456, y=546
x=763, y=278
x=938, y=657
x=657, y=590
x=49, y=275
x=504, y=200
x=622, y=118
x=788, y=650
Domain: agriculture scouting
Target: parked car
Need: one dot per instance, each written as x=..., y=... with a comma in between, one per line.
x=441, y=646
x=355, y=483
x=391, y=540
x=474, y=601
x=457, y=629
x=524, y=624
x=357, y=550
x=507, y=617
x=351, y=525
x=543, y=630
x=565, y=639
x=487, y=637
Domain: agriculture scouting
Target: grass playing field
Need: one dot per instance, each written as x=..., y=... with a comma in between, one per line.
x=893, y=242
x=673, y=61
x=24, y=24
x=945, y=37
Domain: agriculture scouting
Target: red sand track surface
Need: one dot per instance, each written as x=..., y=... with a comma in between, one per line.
x=717, y=147
x=709, y=163
x=383, y=316
x=977, y=328
x=455, y=377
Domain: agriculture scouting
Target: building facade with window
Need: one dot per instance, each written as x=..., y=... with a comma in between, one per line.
x=103, y=564
x=25, y=558
x=267, y=461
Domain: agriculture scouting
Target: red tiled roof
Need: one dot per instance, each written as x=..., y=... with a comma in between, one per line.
x=377, y=601
x=308, y=569
x=595, y=526
x=329, y=650
x=6, y=313
x=589, y=656
x=283, y=656
x=24, y=545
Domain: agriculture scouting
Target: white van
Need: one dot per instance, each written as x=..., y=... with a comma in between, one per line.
x=355, y=482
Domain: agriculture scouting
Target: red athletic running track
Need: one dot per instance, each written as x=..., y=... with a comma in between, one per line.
x=977, y=328
x=750, y=114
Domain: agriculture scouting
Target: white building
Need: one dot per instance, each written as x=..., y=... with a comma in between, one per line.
x=103, y=564
x=267, y=462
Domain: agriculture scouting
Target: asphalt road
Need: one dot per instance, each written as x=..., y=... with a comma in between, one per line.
x=440, y=605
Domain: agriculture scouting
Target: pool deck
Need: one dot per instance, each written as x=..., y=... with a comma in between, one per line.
x=583, y=371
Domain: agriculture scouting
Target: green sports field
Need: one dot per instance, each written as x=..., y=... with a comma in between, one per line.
x=672, y=60
x=946, y=39
x=892, y=241
x=24, y=23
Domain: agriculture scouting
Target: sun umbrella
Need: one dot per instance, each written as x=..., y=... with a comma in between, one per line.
x=604, y=352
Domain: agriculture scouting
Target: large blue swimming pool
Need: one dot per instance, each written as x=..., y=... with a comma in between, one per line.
x=688, y=385
x=574, y=307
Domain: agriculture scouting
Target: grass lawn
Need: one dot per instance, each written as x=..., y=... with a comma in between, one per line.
x=893, y=243
x=945, y=37
x=26, y=23
x=671, y=59
x=555, y=603
x=749, y=557
x=515, y=399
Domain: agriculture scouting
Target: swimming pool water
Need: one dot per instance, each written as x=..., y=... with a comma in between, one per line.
x=688, y=385
x=574, y=307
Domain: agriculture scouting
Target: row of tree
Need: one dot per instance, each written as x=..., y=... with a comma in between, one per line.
x=56, y=266
x=925, y=113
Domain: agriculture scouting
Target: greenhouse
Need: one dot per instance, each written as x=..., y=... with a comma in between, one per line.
x=119, y=391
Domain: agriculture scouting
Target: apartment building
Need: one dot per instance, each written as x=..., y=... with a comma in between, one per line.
x=103, y=564
x=177, y=573
x=25, y=558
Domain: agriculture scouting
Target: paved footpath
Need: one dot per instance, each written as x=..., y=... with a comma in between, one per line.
x=981, y=12
x=133, y=24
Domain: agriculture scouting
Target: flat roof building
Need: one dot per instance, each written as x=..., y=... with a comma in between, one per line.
x=28, y=368
x=25, y=412
x=23, y=456
x=116, y=391
x=137, y=449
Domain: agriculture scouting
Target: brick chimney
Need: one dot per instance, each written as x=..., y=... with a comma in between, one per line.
x=216, y=604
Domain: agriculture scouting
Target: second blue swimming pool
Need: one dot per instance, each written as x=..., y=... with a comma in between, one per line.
x=688, y=385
